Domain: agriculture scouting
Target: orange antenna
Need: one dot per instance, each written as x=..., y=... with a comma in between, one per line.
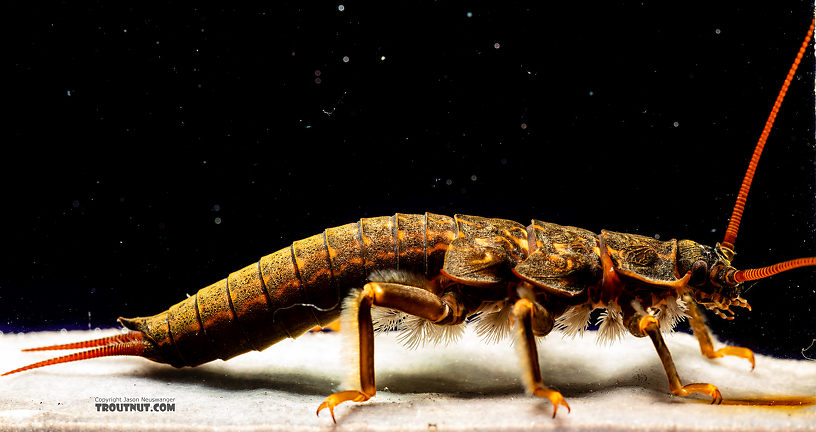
x=761, y=273
x=727, y=245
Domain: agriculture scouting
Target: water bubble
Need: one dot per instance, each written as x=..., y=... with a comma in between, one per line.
x=341, y=8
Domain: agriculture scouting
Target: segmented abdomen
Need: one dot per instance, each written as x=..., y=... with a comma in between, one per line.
x=294, y=289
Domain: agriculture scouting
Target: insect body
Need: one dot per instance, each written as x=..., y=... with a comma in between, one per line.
x=430, y=272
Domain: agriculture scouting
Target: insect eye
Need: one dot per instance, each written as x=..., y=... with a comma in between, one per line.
x=699, y=273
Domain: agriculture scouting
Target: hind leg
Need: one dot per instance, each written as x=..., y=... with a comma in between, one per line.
x=357, y=315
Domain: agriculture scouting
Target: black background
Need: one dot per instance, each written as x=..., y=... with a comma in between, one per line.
x=136, y=127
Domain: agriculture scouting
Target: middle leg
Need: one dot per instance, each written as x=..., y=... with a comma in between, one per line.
x=530, y=321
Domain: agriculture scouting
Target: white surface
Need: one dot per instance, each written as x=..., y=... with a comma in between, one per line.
x=464, y=386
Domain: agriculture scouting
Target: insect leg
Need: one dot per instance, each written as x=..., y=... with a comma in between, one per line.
x=642, y=324
x=357, y=314
x=523, y=330
x=697, y=322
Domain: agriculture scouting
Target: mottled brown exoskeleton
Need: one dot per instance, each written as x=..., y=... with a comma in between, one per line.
x=429, y=275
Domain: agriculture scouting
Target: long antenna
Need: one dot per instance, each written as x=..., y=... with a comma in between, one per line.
x=761, y=273
x=727, y=245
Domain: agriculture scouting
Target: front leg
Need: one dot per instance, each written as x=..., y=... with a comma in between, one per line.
x=357, y=315
x=526, y=320
x=642, y=324
x=697, y=322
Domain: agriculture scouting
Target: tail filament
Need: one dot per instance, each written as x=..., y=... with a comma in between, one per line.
x=128, y=344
